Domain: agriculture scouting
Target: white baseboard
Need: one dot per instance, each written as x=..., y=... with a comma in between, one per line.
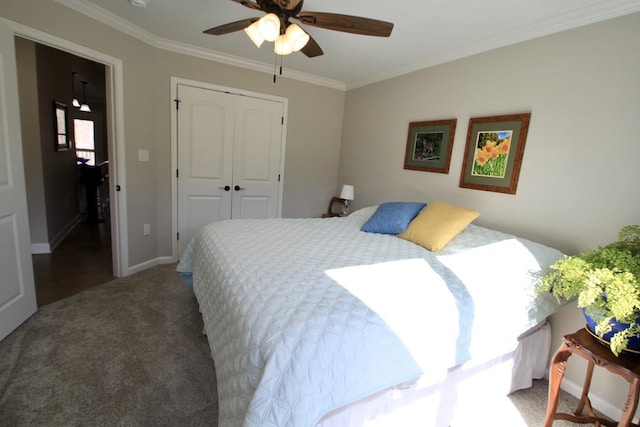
x=597, y=402
x=47, y=248
x=148, y=264
x=64, y=232
x=40, y=248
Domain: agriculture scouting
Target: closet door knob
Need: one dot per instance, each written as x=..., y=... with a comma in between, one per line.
x=238, y=188
x=225, y=188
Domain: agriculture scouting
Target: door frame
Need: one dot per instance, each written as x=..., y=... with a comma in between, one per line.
x=175, y=82
x=115, y=130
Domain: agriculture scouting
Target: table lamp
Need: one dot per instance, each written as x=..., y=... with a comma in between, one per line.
x=346, y=194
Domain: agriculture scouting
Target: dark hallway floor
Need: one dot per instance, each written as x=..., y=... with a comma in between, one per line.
x=80, y=262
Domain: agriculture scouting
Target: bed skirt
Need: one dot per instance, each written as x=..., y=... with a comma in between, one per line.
x=434, y=403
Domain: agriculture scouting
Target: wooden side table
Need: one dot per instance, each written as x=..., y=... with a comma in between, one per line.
x=588, y=347
x=331, y=210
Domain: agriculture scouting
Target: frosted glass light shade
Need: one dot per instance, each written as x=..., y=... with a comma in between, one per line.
x=269, y=26
x=253, y=31
x=76, y=103
x=85, y=108
x=347, y=192
x=283, y=45
x=297, y=37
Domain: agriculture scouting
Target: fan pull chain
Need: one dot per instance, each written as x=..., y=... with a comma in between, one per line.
x=281, y=61
x=275, y=64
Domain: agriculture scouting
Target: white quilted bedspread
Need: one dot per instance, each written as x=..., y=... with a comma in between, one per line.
x=294, y=308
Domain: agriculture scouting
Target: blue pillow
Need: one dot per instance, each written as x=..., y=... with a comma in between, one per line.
x=392, y=217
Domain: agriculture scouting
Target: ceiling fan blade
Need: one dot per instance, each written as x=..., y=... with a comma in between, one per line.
x=249, y=4
x=346, y=23
x=312, y=49
x=230, y=27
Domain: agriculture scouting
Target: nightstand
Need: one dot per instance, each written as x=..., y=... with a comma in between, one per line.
x=583, y=344
x=331, y=210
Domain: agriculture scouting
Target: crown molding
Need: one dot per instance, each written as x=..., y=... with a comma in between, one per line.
x=574, y=19
x=110, y=19
x=104, y=16
x=238, y=61
x=571, y=20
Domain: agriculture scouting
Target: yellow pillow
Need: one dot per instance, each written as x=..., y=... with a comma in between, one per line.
x=437, y=224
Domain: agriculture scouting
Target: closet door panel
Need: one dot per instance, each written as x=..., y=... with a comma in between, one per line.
x=256, y=165
x=202, y=210
x=207, y=142
x=229, y=153
x=256, y=145
x=205, y=159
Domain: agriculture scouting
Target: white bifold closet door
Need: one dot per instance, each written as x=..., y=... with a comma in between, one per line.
x=228, y=158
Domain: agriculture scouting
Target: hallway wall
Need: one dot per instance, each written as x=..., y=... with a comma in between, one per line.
x=45, y=76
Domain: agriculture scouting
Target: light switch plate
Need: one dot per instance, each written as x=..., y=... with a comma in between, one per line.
x=143, y=155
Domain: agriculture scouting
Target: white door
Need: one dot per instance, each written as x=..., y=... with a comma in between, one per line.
x=205, y=159
x=256, y=158
x=17, y=289
x=228, y=158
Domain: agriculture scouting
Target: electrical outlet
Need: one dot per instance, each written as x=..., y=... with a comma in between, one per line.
x=147, y=229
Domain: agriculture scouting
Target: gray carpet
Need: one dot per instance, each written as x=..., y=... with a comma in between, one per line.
x=127, y=353
x=131, y=353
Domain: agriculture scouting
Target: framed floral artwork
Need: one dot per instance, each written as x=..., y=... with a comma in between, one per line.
x=494, y=151
x=429, y=145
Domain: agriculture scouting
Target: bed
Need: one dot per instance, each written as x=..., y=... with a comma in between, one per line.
x=316, y=322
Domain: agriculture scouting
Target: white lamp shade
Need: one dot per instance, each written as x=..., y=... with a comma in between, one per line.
x=347, y=192
x=282, y=45
x=253, y=31
x=85, y=108
x=269, y=26
x=76, y=103
x=297, y=37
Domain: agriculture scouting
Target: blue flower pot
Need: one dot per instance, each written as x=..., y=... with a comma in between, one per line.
x=634, y=342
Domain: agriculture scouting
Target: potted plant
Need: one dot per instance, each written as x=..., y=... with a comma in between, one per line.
x=606, y=283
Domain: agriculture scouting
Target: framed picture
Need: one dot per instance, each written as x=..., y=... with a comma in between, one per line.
x=493, y=154
x=429, y=145
x=61, y=136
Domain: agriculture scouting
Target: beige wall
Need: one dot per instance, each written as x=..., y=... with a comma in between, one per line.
x=31, y=146
x=313, y=133
x=579, y=178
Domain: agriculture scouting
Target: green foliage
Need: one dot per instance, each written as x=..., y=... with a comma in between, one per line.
x=605, y=283
x=493, y=167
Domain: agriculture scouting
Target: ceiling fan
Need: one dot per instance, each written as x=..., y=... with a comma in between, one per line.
x=275, y=26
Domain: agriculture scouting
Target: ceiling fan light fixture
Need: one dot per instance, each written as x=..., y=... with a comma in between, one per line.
x=296, y=36
x=253, y=31
x=269, y=26
x=283, y=45
x=276, y=23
